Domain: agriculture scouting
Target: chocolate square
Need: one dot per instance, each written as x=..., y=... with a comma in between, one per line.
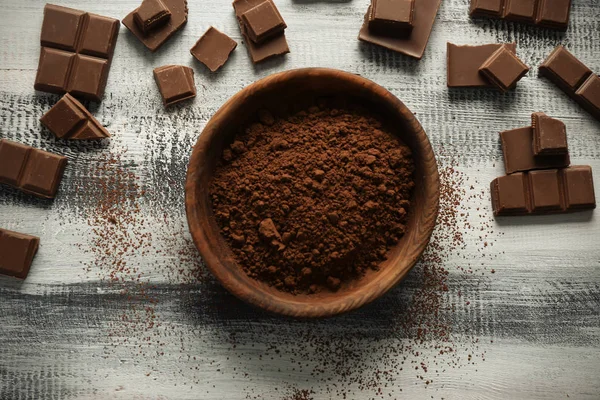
x=213, y=49
x=176, y=83
x=150, y=15
x=589, y=93
x=520, y=10
x=553, y=13
x=13, y=157
x=463, y=63
x=509, y=195
x=63, y=118
x=579, y=188
x=545, y=190
x=99, y=38
x=564, y=69
x=17, y=252
x=517, y=146
x=504, y=69
x=54, y=70
x=263, y=22
x=88, y=76
x=549, y=135
x=392, y=17
x=61, y=26
x=43, y=173
x=486, y=8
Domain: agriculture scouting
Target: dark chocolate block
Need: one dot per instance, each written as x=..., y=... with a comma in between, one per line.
x=176, y=83
x=549, y=135
x=552, y=191
x=275, y=46
x=160, y=34
x=574, y=78
x=486, y=8
x=517, y=145
x=392, y=17
x=414, y=44
x=553, y=14
x=213, y=49
x=504, y=69
x=520, y=10
x=31, y=170
x=69, y=119
x=150, y=15
x=263, y=22
x=77, y=49
x=463, y=63
x=17, y=252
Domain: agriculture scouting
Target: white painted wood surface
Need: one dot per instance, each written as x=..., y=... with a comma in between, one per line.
x=537, y=319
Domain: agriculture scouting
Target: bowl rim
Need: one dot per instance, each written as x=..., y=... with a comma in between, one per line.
x=255, y=295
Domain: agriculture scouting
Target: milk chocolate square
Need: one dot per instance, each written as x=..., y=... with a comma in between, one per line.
x=392, y=17
x=263, y=22
x=503, y=69
x=213, y=49
x=549, y=135
x=520, y=10
x=553, y=13
x=151, y=14
x=509, y=196
x=545, y=190
x=176, y=83
x=579, y=187
x=17, y=252
x=589, y=93
x=486, y=8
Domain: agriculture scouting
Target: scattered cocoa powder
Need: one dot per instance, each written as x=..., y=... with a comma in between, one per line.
x=313, y=200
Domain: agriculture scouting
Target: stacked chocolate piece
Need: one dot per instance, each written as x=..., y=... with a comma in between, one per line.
x=539, y=179
x=488, y=65
x=553, y=14
x=403, y=26
x=263, y=28
x=574, y=78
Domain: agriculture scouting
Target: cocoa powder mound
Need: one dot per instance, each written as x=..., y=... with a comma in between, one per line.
x=312, y=201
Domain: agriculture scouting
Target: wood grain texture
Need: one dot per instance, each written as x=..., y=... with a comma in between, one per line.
x=540, y=308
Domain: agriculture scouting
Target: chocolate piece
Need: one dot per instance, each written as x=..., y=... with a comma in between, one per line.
x=272, y=47
x=159, y=35
x=414, y=44
x=213, y=49
x=31, y=170
x=588, y=95
x=551, y=191
x=553, y=14
x=486, y=8
x=151, y=14
x=574, y=78
x=69, y=119
x=517, y=145
x=520, y=10
x=549, y=135
x=77, y=49
x=263, y=22
x=464, y=63
x=176, y=83
x=17, y=252
x=504, y=69
x=392, y=17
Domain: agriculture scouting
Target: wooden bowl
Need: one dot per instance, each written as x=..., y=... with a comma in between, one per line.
x=290, y=89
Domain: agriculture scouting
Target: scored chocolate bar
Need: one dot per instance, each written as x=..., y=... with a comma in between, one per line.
x=69, y=119
x=77, y=49
x=574, y=78
x=30, y=170
x=552, y=14
x=17, y=252
x=544, y=192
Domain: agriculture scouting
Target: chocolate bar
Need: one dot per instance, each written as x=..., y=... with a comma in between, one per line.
x=69, y=119
x=30, y=170
x=517, y=145
x=413, y=44
x=263, y=22
x=17, y=252
x=574, y=78
x=176, y=83
x=150, y=15
x=272, y=47
x=544, y=192
x=392, y=17
x=159, y=35
x=549, y=135
x=77, y=50
x=504, y=69
x=464, y=63
x=213, y=49
x=552, y=14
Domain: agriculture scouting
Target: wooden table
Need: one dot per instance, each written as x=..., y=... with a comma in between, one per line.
x=531, y=330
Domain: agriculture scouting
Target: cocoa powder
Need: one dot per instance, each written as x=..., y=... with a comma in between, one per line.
x=314, y=200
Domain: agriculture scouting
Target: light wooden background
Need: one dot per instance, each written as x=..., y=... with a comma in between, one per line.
x=532, y=328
